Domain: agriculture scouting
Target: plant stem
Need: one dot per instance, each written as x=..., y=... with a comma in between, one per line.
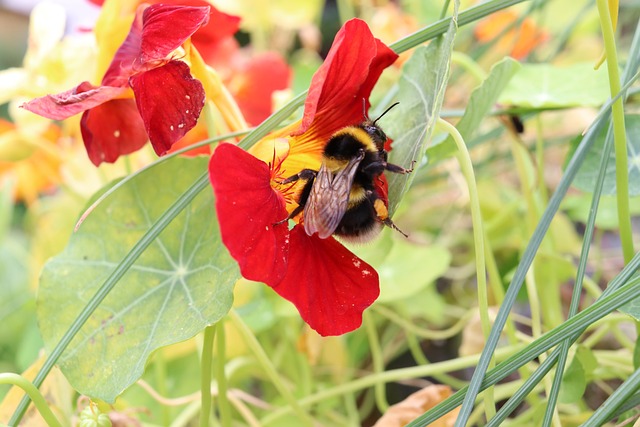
x=205, y=375
x=269, y=369
x=378, y=361
x=33, y=393
x=221, y=377
x=389, y=376
x=619, y=132
x=466, y=166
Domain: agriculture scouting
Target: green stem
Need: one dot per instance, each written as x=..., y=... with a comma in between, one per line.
x=618, y=293
x=440, y=27
x=466, y=167
x=160, y=371
x=269, y=368
x=205, y=375
x=35, y=396
x=619, y=132
x=622, y=394
x=418, y=356
x=378, y=361
x=471, y=66
x=221, y=377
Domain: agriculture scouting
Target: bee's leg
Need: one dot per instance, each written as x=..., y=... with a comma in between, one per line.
x=399, y=169
x=308, y=175
x=383, y=214
x=304, y=174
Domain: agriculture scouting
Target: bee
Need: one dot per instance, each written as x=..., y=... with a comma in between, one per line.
x=341, y=197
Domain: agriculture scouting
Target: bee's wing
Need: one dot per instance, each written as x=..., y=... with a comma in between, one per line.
x=329, y=198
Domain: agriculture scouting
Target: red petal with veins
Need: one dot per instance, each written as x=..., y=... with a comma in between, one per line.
x=166, y=27
x=247, y=208
x=214, y=40
x=112, y=129
x=348, y=74
x=169, y=101
x=253, y=87
x=329, y=285
x=66, y=104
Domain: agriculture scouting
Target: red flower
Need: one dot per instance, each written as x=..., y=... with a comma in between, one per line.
x=167, y=98
x=329, y=285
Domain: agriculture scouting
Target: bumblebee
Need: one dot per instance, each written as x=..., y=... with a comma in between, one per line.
x=341, y=198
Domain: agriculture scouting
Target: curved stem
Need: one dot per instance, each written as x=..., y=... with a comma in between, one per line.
x=33, y=393
x=378, y=361
x=466, y=167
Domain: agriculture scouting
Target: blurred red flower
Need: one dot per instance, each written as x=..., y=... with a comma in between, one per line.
x=329, y=285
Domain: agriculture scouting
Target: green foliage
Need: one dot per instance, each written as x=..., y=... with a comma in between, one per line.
x=588, y=173
x=420, y=95
x=481, y=102
x=182, y=283
x=552, y=86
x=557, y=307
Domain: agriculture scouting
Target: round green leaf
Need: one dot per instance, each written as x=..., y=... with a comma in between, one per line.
x=409, y=268
x=551, y=86
x=180, y=284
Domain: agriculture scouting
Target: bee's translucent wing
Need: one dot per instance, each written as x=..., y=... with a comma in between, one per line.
x=329, y=198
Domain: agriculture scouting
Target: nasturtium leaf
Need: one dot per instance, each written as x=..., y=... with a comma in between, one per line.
x=409, y=268
x=552, y=86
x=577, y=208
x=180, y=284
x=632, y=308
x=481, y=101
x=420, y=93
x=588, y=173
x=574, y=382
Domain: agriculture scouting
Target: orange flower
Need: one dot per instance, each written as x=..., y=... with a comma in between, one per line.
x=34, y=166
x=519, y=41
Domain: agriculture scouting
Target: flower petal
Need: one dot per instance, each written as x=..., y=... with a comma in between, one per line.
x=166, y=27
x=329, y=285
x=66, y=104
x=169, y=101
x=112, y=129
x=253, y=86
x=247, y=210
x=126, y=60
x=352, y=67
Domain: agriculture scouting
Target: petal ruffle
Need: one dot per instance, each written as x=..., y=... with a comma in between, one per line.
x=247, y=208
x=69, y=103
x=126, y=60
x=111, y=130
x=169, y=100
x=348, y=74
x=329, y=285
x=166, y=27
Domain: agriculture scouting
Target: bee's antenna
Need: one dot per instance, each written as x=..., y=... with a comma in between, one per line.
x=385, y=112
x=364, y=109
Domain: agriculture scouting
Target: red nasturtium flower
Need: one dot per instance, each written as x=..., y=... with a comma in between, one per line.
x=328, y=284
x=166, y=101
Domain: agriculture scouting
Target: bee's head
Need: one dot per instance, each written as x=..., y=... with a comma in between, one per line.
x=373, y=130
